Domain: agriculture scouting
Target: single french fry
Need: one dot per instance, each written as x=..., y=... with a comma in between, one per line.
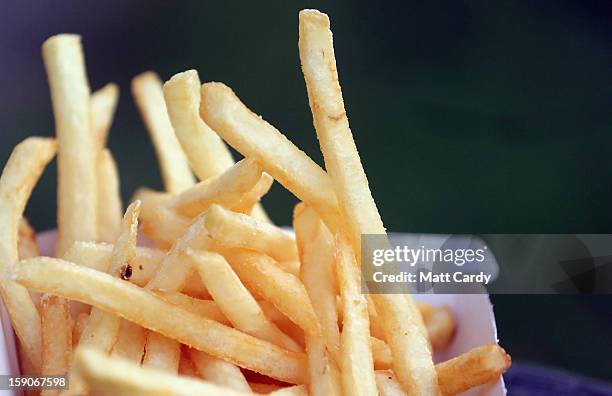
x=103, y=106
x=111, y=376
x=476, y=367
x=142, y=307
x=235, y=301
x=255, y=138
x=206, y=308
x=26, y=240
x=207, y=154
x=98, y=256
x=296, y=390
x=317, y=252
x=103, y=327
x=77, y=329
x=356, y=362
x=388, y=385
x=160, y=223
x=324, y=374
x=56, y=338
x=149, y=97
x=76, y=158
x=110, y=209
x=249, y=202
x=412, y=361
x=174, y=270
x=20, y=174
x=263, y=277
x=219, y=371
x=161, y=352
x=130, y=342
x=225, y=189
x=237, y=230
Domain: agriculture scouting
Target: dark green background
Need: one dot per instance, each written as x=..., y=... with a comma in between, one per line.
x=471, y=117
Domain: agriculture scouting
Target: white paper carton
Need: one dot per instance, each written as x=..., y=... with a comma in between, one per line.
x=474, y=314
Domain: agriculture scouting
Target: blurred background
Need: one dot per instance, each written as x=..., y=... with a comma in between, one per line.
x=472, y=117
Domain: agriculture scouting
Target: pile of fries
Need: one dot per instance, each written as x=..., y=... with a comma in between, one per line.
x=221, y=301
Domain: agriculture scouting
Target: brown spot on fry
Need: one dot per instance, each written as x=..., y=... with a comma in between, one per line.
x=126, y=272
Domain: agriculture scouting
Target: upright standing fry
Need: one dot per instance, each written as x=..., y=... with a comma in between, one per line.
x=20, y=174
x=76, y=159
x=207, y=154
x=356, y=359
x=56, y=338
x=110, y=208
x=148, y=94
x=130, y=342
x=412, y=361
x=103, y=105
x=103, y=327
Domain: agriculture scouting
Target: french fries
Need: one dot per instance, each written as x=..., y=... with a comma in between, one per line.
x=356, y=359
x=235, y=301
x=108, y=376
x=56, y=338
x=109, y=207
x=144, y=308
x=76, y=158
x=130, y=342
x=207, y=154
x=225, y=302
x=412, y=361
x=219, y=372
x=263, y=277
x=255, y=138
x=103, y=327
x=162, y=353
x=19, y=176
x=103, y=105
x=226, y=189
x=149, y=96
x=317, y=251
x=237, y=230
